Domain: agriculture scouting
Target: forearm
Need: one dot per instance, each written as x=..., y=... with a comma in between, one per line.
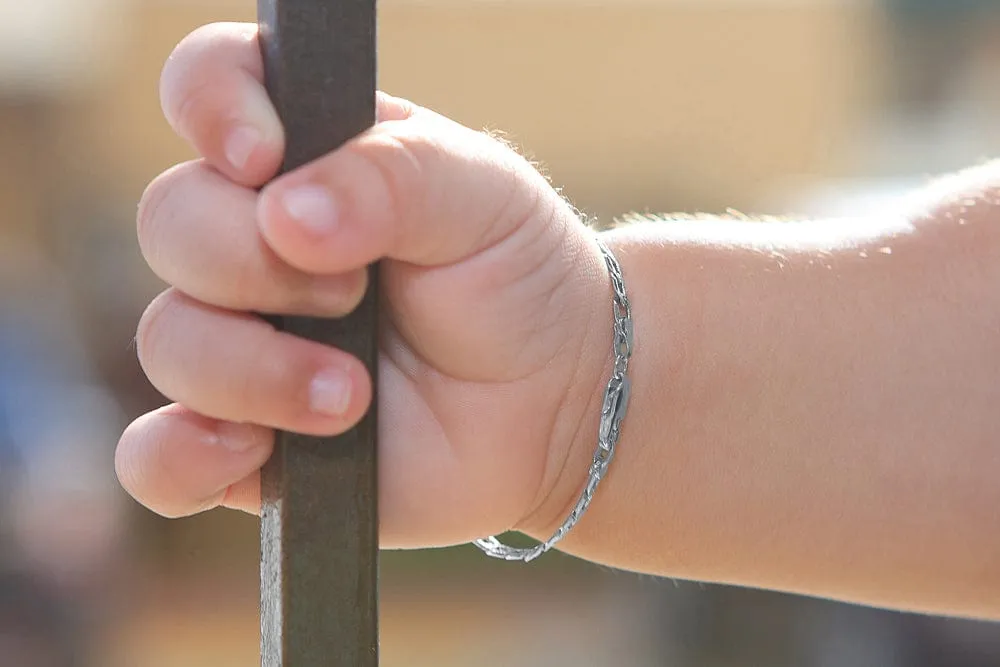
x=815, y=409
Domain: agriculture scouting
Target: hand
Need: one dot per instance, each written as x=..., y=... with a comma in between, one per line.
x=497, y=310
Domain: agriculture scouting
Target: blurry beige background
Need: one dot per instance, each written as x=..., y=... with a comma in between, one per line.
x=766, y=106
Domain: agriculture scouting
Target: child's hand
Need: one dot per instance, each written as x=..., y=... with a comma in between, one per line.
x=496, y=300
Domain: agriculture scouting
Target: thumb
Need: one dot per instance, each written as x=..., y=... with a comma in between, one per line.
x=424, y=190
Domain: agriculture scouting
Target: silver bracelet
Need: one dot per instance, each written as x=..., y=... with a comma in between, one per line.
x=612, y=413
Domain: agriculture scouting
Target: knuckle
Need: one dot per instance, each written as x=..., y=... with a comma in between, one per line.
x=154, y=325
x=125, y=464
x=176, y=87
x=150, y=206
x=399, y=154
x=156, y=207
x=197, y=108
x=202, y=67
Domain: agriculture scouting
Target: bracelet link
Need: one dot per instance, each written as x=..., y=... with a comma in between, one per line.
x=625, y=338
x=615, y=404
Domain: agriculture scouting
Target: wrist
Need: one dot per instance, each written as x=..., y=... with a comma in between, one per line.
x=590, y=363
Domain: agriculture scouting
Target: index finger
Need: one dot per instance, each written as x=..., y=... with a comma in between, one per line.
x=213, y=95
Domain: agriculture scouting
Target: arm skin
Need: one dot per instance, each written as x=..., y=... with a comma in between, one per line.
x=815, y=407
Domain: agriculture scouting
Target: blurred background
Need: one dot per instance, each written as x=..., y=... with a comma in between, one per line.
x=802, y=107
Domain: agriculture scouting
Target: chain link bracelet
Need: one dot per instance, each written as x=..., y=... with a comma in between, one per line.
x=612, y=413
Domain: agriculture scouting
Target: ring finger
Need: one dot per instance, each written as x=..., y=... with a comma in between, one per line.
x=236, y=367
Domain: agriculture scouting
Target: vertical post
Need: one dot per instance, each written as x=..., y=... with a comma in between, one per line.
x=319, y=520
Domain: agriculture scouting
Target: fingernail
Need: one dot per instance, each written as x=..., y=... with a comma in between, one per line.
x=239, y=438
x=312, y=206
x=330, y=393
x=241, y=144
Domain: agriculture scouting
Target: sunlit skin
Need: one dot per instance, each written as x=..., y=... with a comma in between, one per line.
x=814, y=406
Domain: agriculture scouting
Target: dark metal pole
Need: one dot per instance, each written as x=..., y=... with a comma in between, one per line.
x=319, y=519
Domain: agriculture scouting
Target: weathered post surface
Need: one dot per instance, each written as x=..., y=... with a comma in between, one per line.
x=319, y=519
